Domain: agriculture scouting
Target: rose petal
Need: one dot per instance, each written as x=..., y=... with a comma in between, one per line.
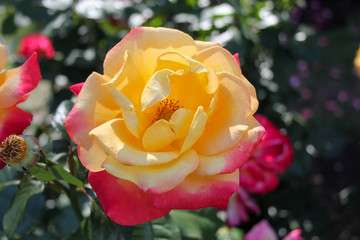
x=17, y=82
x=2, y=164
x=158, y=136
x=197, y=192
x=229, y=161
x=76, y=88
x=93, y=107
x=13, y=120
x=149, y=43
x=181, y=121
x=116, y=140
x=156, y=89
x=219, y=59
x=201, y=45
x=262, y=230
x=196, y=129
x=158, y=178
x=229, y=121
x=123, y=201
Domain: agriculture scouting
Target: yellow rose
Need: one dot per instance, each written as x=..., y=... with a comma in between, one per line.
x=167, y=126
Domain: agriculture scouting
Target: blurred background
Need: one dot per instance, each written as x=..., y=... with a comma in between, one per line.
x=298, y=54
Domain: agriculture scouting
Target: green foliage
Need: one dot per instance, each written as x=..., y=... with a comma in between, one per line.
x=16, y=211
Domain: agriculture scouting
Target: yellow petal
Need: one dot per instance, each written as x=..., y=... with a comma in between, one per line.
x=158, y=136
x=156, y=89
x=116, y=140
x=218, y=59
x=234, y=158
x=229, y=120
x=129, y=81
x=91, y=155
x=149, y=43
x=196, y=129
x=181, y=121
x=201, y=45
x=127, y=109
x=3, y=56
x=159, y=178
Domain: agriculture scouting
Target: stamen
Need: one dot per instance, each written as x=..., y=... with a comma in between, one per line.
x=165, y=109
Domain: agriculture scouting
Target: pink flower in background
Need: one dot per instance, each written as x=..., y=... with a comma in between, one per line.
x=259, y=174
x=263, y=231
x=15, y=84
x=240, y=203
x=37, y=43
x=257, y=179
x=275, y=151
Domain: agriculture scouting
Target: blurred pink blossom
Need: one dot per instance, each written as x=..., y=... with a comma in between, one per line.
x=240, y=203
x=37, y=43
x=263, y=231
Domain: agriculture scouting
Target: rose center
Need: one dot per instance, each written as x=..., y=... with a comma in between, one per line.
x=13, y=149
x=165, y=109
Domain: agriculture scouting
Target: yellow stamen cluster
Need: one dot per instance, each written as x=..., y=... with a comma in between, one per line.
x=13, y=149
x=165, y=109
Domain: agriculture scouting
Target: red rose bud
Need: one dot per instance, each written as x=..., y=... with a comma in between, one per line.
x=20, y=152
x=275, y=151
x=37, y=43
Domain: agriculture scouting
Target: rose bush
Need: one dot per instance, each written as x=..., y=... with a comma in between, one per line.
x=37, y=43
x=167, y=126
x=15, y=84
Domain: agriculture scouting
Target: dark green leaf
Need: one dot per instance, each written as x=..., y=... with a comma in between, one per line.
x=55, y=172
x=101, y=227
x=16, y=211
x=165, y=228
x=193, y=225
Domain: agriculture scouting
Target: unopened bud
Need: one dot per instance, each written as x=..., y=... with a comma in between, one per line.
x=20, y=152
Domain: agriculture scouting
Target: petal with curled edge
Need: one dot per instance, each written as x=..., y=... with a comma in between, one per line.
x=177, y=62
x=234, y=158
x=181, y=122
x=149, y=43
x=156, y=89
x=123, y=201
x=201, y=45
x=229, y=120
x=93, y=107
x=158, y=136
x=196, y=129
x=17, y=82
x=3, y=56
x=117, y=141
x=197, y=192
x=127, y=109
x=219, y=59
x=129, y=81
x=158, y=178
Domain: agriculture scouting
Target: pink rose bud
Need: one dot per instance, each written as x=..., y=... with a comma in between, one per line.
x=275, y=151
x=37, y=43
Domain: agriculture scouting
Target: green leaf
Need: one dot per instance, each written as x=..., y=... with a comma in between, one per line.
x=165, y=228
x=16, y=211
x=56, y=172
x=193, y=225
x=101, y=227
